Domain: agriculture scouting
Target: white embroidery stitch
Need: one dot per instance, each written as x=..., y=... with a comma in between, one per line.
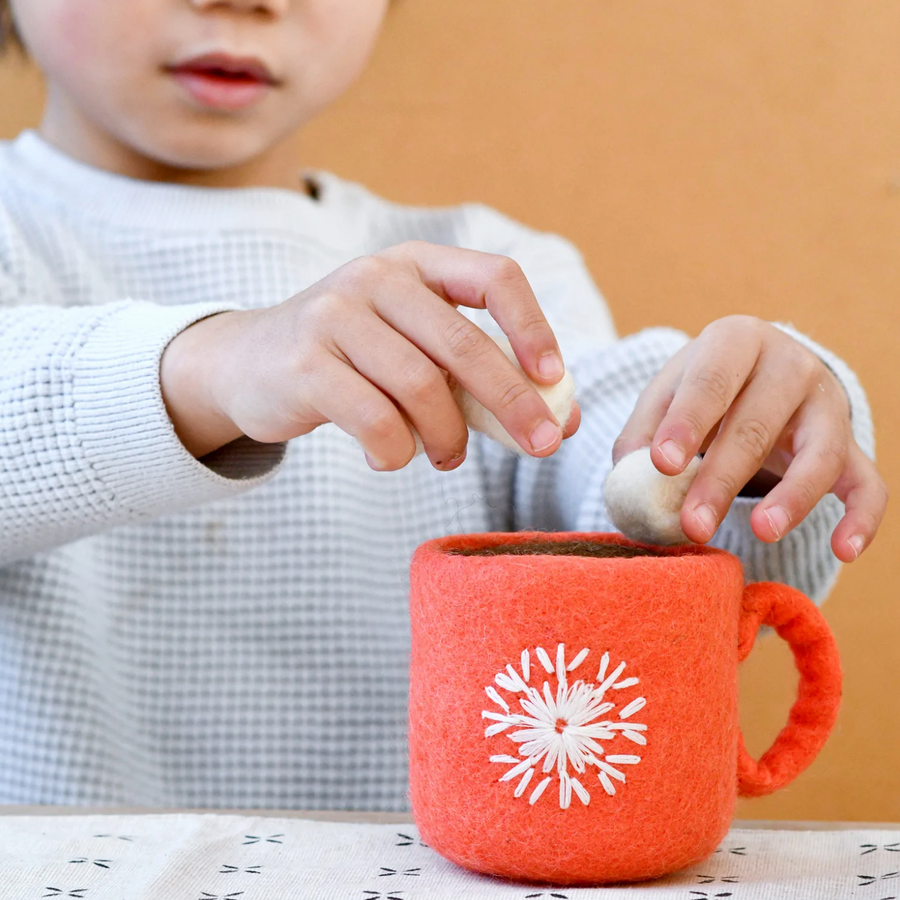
x=564, y=729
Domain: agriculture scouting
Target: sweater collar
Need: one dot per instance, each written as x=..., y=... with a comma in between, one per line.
x=85, y=192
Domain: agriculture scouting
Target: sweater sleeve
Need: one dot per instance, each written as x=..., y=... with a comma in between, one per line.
x=563, y=492
x=86, y=443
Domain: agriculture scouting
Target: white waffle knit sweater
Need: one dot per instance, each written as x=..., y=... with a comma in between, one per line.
x=233, y=632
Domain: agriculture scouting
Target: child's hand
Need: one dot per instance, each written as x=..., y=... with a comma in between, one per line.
x=379, y=333
x=762, y=407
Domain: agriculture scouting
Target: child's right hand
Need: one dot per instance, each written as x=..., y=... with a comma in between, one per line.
x=379, y=333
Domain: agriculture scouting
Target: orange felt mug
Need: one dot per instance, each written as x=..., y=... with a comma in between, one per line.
x=573, y=701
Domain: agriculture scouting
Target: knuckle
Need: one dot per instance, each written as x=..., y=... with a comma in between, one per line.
x=807, y=494
x=512, y=393
x=421, y=383
x=809, y=366
x=533, y=320
x=303, y=367
x=736, y=321
x=403, y=255
x=755, y=436
x=507, y=269
x=870, y=521
x=881, y=491
x=832, y=455
x=725, y=485
x=465, y=340
x=715, y=385
x=320, y=304
x=323, y=309
x=697, y=428
x=405, y=248
x=749, y=322
x=378, y=423
x=371, y=268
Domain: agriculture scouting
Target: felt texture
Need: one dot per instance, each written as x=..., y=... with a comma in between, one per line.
x=671, y=614
x=559, y=397
x=643, y=503
x=815, y=711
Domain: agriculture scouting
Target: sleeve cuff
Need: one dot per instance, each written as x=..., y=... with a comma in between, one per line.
x=802, y=558
x=121, y=422
x=860, y=413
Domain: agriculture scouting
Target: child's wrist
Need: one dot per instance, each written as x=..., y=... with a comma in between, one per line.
x=187, y=372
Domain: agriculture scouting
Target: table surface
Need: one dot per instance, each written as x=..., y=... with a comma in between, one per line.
x=224, y=854
x=387, y=818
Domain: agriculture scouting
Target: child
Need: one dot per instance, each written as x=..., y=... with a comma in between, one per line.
x=194, y=613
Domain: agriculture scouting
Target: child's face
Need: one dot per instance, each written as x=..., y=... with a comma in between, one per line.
x=127, y=80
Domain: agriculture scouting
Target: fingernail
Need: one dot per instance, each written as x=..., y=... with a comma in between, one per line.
x=857, y=542
x=673, y=454
x=705, y=516
x=544, y=435
x=780, y=520
x=550, y=365
x=453, y=462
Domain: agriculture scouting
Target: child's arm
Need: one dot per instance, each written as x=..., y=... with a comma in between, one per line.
x=105, y=411
x=85, y=442
x=379, y=335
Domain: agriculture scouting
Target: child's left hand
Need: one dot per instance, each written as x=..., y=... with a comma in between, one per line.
x=760, y=406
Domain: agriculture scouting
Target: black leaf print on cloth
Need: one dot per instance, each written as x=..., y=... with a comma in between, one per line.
x=734, y=851
x=407, y=840
x=100, y=863
x=386, y=872
x=206, y=896
x=867, y=880
x=696, y=895
x=711, y=879
x=547, y=894
x=231, y=870
x=119, y=837
x=257, y=838
x=377, y=895
x=75, y=893
x=871, y=848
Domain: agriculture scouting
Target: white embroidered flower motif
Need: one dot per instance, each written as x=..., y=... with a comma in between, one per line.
x=563, y=730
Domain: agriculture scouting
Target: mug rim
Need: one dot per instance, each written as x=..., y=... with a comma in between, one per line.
x=449, y=545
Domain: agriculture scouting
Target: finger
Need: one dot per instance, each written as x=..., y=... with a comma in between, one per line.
x=865, y=498
x=416, y=385
x=746, y=436
x=820, y=455
x=496, y=283
x=456, y=344
x=363, y=411
x=722, y=359
x=573, y=422
x=650, y=408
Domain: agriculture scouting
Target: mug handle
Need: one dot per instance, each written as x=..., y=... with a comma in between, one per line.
x=798, y=621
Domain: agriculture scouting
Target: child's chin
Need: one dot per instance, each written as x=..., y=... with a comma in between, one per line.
x=208, y=148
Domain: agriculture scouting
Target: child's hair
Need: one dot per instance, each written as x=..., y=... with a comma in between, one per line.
x=9, y=37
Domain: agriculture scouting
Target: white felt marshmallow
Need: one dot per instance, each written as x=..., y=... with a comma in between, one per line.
x=559, y=397
x=644, y=504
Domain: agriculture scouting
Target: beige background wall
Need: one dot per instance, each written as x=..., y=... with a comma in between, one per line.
x=708, y=158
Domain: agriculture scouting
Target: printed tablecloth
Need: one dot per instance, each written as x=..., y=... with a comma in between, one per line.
x=228, y=857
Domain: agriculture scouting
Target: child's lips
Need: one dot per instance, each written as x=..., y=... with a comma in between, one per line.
x=223, y=82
